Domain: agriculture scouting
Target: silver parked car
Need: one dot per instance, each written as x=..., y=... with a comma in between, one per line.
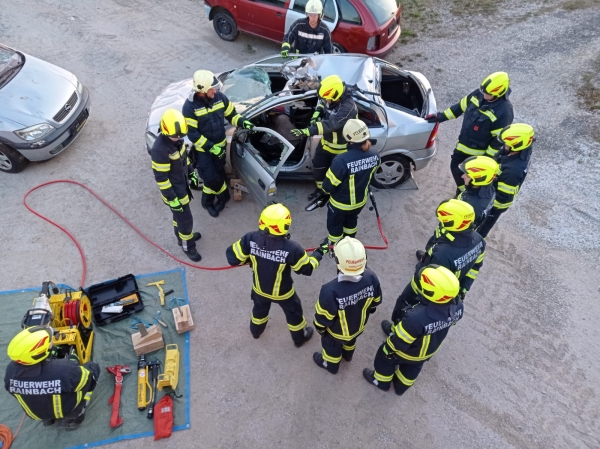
x=43, y=108
x=278, y=95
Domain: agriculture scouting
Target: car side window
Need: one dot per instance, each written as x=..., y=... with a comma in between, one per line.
x=329, y=10
x=348, y=12
x=300, y=5
x=368, y=116
x=274, y=2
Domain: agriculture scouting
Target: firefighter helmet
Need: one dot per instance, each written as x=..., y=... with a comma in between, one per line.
x=517, y=137
x=436, y=283
x=275, y=219
x=350, y=256
x=173, y=124
x=481, y=169
x=314, y=7
x=356, y=131
x=331, y=88
x=204, y=80
x=455, y=215
x=31, y=345
x=495, y=84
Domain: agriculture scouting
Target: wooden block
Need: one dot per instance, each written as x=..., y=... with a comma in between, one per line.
x=152, y=341
x=183, y=320
x=237, y=193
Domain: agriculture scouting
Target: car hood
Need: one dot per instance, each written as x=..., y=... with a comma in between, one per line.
x=36, y=93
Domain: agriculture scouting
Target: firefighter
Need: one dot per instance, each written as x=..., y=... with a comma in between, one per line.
x=514, y=159
x=486, y=111
x=309, y=35
x=48, y=389
x=455, y=245
x=420, y=334
x=170, y=165
x=205, y=111
x=348, y=180
x=344, y=305
x=479, y=173
x=272, y=255
x=336, y=107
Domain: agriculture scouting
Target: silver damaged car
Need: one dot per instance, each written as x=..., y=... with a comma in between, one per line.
x=279, y=95
x=43, y=108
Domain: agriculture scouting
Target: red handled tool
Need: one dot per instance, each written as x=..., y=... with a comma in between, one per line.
x=118, y=371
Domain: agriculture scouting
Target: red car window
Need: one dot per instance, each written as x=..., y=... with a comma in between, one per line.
x=382, y=10
x=348, y=12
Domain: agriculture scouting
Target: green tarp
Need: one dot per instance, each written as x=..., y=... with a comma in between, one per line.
x=112, y=346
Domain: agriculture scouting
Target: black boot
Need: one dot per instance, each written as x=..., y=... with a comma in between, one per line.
x=420, y=254
x=219, y=206
x=207, y=203
x=318, y=358
x=369, y=376
x=315, y=194
x=193, y=255
x=387, y=326
x=222, y=199
x=197, y=236
x=308, y=333
x=347, y=358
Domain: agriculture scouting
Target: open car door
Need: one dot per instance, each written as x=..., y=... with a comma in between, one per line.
x=257, y=156
x=376, y=119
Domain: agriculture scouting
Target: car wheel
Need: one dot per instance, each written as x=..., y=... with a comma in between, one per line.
x=11, y=161
x=393, y=171
x=337, y=48
x=225, y=26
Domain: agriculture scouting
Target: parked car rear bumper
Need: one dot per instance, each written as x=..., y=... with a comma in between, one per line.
x=385, y=50
x=422, y=158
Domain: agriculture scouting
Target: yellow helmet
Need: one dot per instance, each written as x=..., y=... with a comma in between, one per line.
x=481, y=169
x=204, y=80
x=436, y=283
x=495, y=84
x=31, y=345
x=331, y=88
x=275, y=219
x=173, y=124
x=350, y=256
x=455, y=215
x=517, y=136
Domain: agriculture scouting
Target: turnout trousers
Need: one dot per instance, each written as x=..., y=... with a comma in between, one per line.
x=183, y=225
x=292, y=308
x=334, y=349
x=392, y=368
x=407, y=298
x=321, y=163
x=456, y=159
x=214, y=188
x=341, y=223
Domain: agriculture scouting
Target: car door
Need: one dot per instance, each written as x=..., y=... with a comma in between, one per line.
x=375, y=117
x=296, y=11
x=265, y=18
x=257, y=175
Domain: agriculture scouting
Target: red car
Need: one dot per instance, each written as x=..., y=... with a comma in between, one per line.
x=370, y=27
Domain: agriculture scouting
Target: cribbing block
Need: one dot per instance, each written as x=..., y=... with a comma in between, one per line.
x=151, y=342
x=183, y=319
x=237, y=193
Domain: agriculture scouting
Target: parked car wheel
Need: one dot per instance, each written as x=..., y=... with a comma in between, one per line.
x=394, y=170
x=11, y=161
x=337, y=48
x=225, y=26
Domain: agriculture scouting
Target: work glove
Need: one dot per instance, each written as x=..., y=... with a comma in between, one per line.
x=218, y=151
x=320, y=331
x=461, y=294
x=175, y=205
x=315, y=117
x=432, y=118
x=300, y=132
x=194, y=181
x=372, y=310
x=247, y=124
x=285, y=52
x=321, y=250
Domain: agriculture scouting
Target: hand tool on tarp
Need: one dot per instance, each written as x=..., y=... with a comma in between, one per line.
x=118, y=371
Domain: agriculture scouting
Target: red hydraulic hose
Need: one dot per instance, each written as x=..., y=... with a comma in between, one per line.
x=83, y=275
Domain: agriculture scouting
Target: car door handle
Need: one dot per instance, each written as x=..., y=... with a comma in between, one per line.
x=261, y=183
x=278, y=14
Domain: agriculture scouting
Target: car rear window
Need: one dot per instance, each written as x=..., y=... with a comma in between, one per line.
x=382, y=10
x=349, y=12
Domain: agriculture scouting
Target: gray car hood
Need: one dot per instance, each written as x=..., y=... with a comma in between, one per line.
x=36, y=93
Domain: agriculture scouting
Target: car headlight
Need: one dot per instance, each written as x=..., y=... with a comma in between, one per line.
x=150, y=138
x=34, y=132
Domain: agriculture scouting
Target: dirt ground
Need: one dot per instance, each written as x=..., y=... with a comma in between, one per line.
x=521, y=370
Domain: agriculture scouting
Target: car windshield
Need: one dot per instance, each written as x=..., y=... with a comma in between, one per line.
x=382, y=10
x=247, y=86
x=10, y=61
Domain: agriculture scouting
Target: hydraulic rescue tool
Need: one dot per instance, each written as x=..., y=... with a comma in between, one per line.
x=69, y=314
x=143, y=384
x=118, y=371
x=153, y=367
x=171, y=369
x=161, y=292
x=320, y=201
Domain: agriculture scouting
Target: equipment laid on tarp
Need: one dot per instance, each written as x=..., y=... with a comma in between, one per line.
x=119, y=292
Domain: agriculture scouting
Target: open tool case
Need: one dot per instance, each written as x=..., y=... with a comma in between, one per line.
x=111, y=292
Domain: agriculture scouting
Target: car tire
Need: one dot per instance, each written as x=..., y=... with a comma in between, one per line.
x=394, y=170
x=225, y=26
x=11, y=161
x=337, y=48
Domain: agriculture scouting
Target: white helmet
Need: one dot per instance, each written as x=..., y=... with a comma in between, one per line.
x=314, y=7
x=204, y=80
x=350, y=256
x=356, y=131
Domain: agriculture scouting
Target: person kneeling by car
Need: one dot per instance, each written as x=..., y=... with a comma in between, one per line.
x=309, y=35
x=48, y=389
x=205, y=111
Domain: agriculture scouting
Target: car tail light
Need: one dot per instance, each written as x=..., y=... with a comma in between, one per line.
x=432, y=136
x=373, y=43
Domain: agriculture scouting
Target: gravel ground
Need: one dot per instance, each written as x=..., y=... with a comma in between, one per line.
x=519, y=371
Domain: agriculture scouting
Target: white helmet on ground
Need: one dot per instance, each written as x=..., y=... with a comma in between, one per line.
x=350, y=256
x=314, y=7
x=356, y=131
x=204, y=80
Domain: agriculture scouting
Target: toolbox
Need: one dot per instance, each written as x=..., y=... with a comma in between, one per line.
x=124, y=289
